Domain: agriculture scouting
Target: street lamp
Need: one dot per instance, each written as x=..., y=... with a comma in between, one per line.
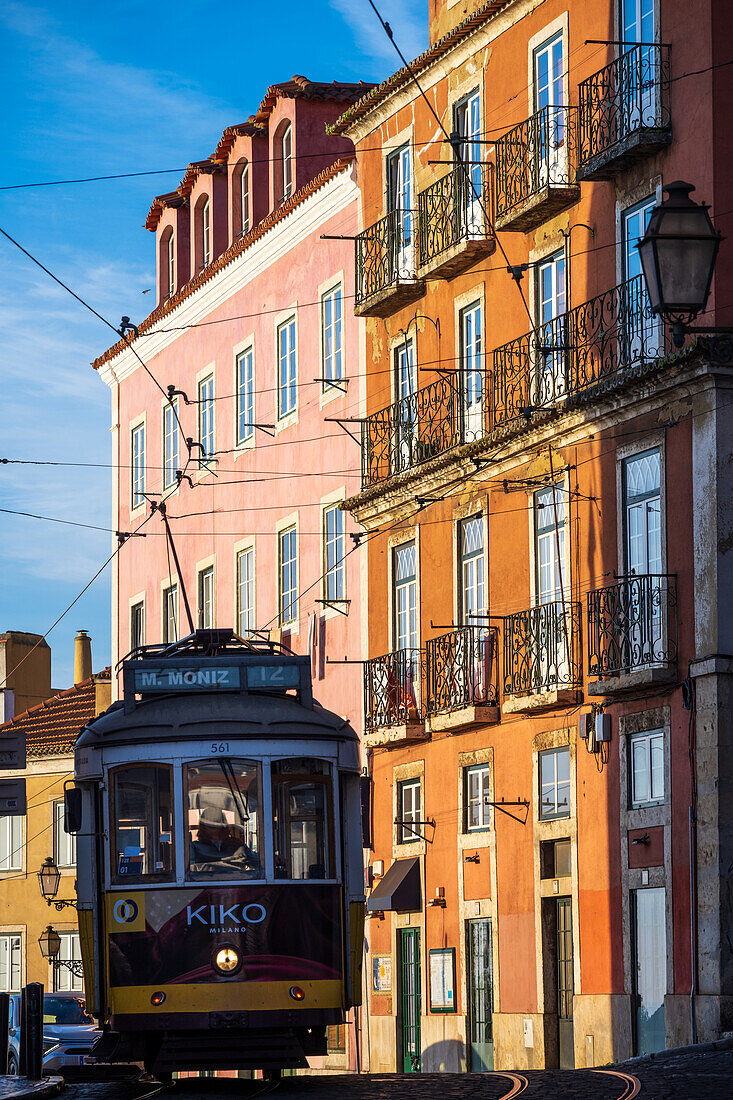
x=50, y=943
x=678, y=253
x=49, y=878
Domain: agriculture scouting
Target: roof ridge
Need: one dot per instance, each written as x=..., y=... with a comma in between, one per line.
x=45, y=703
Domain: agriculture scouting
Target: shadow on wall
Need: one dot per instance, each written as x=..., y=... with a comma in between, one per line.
x=447, y=1056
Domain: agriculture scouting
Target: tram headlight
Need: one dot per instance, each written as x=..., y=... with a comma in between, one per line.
x=157, y=998
x=297, y=993
x=227, y=960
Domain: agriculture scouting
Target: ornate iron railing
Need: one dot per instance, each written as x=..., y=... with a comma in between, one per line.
x=588, y=347
x=628, y=96
x=542, y=649
x=454, y=209
x=540, y=152
x=392, y=695
x=386, y=254
x=633, y=625
x=428, y=422
x=462, y=669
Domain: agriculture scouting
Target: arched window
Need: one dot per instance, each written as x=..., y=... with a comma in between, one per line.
x=287, y=161
x=244, y=198
x=171, y=252
x=205, y=234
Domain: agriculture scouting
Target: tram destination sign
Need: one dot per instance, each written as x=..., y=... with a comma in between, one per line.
x=205, y=678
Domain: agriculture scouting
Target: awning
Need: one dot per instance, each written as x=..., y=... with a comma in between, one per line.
x=399, y=890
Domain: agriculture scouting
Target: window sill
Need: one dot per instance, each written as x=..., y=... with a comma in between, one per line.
x=632, y=680
x=288, y=421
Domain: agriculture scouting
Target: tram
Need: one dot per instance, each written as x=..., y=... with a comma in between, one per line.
x=219, y=861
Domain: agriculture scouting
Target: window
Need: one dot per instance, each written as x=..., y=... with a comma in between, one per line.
x=206, y=418
x=206, y=598
x=400, y=204
x=405, y=386
x=222, y=830
x=548, y=74
x=405, y=597
x=170, y=443
x=288, y=560
x=334, y=587
x=64, y=844
x=287, y=366
x=244, y=199
x=63, y=978
x=408, y=810
x=302, y=828
x=171, y=264
x=138, y=465
x=142, y=834
x=550, y=380
x=245, y=591
x=467, y=123
x=554, y=765
x=647, y=767
x=331, y=328
x=10, y=963
x=476, y=796
x=472, y=567
x=137, y=625
x=642, y=506
x=245, y=396
x=549, y=544
x=471, y=373
x=635, y=221
x=287, y=161
x=336, y=1038
x=205, y=234
x=555, y=858
x=11, y=843
x=170, y=613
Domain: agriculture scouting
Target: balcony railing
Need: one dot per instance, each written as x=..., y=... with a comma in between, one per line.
x=535, y=160
x=541, y=649
x=427, y=423
x=386, y=258
x=462, y=669
x=454, y=212
x=624, y=108
x=632, y=625
x=588, y=347
x=392, y=695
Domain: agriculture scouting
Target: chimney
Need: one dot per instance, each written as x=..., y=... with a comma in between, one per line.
x=82, y=657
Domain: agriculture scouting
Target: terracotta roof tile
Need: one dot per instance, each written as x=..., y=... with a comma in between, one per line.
x=53, y=726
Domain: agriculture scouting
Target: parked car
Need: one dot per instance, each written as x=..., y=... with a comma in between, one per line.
x=68, y=1032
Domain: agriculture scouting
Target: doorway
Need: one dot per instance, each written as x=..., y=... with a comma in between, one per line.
x=480, y=995
x=564, y=949
x=409, y=1020
x=649, y=969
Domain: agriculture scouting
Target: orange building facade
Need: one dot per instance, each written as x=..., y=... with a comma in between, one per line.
x=546, y=494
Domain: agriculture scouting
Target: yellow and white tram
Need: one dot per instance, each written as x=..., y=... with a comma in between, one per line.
x=220, y=882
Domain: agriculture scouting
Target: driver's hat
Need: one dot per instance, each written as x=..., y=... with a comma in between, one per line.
x=214, y=817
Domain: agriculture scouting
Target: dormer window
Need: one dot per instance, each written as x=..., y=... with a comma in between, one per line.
x=287, y=161
x=171, y=265
x=205, y=234
x=244, y=198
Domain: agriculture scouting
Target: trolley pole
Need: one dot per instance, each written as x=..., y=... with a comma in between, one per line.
x=31, y=1031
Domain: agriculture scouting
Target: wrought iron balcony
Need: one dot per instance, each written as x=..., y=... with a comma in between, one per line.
x=462, y=669
x=535, y=169
x=632, y=625
x=542, y=649
x=386, y=265
x=624, y=112
x=427, y=423
x=454, y=227
x=588, y=349
x=392, y=695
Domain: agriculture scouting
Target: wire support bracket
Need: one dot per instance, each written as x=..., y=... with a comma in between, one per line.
x=407, y=826
x=335, y=383
x=342, y=606
x=342, y=421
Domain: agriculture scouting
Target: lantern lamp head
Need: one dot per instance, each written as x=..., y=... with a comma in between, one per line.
x=50, y=943
x=49, y=878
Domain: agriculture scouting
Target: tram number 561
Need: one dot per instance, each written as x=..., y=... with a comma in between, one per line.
x=218, y=747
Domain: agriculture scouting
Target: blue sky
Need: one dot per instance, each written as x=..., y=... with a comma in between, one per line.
x=89, y=89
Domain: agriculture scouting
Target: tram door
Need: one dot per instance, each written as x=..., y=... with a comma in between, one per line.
x=480, y=994
x=565, y=983
x=410, y=998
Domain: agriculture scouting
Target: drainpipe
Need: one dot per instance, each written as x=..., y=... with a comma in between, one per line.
x=688, y=702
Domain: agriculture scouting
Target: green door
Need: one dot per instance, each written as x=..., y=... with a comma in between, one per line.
x=565, y=984
x=410, y=999
x=480, y=994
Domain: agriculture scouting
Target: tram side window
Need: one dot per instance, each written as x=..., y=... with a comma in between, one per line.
x=143, y=831
x=301, y=806
x=223, y=819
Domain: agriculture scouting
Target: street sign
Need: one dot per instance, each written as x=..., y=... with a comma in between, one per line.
x=12, y=798
x=12, y=749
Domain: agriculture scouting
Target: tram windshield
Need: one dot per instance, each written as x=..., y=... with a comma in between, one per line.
x=223, y=819
x=143, y=841
x=301, y=807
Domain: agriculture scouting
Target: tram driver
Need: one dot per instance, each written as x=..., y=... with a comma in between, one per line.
x=218, y=841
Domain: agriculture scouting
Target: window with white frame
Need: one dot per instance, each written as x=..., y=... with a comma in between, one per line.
x=245, y=396
x=286, y=148
x=287, y=368
x=245, y=591
x=170, y=613
x=11, y=843
x=137, y=624
x=288, y=575
x=205, y=233
x=331, y=332
x=409, y=810
x=244, y=198
x=646, y=758
x=206, y=418
x=472, y=570
x=643, y=513
x=206, y=598
x=476, y=795
x=11, y=959
x=554, y=769
x=334, y=581
x=549, y=517
x=170, y=443
x=137, y=450
x=171, y=264
x=405, y=596
x=64, y=978
x=64, y=844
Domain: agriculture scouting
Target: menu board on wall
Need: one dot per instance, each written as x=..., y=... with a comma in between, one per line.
x=381, y=973
x=442, y=979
